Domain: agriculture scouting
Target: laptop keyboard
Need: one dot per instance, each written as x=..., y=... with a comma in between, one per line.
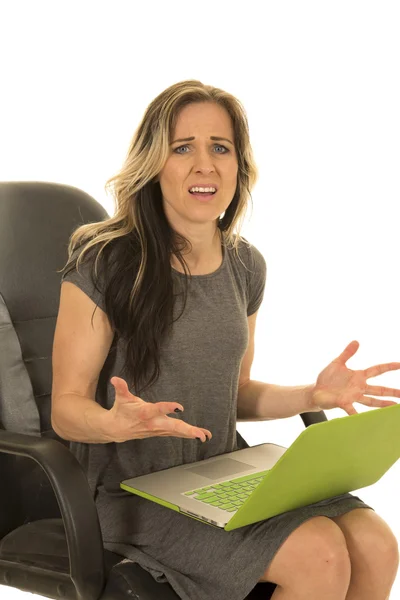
x=228, y=495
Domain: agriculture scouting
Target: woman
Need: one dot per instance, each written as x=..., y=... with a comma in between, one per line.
x=178, y=290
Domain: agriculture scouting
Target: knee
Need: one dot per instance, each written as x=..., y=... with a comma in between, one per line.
x=382, y=550
x=330, y=558
x=315, y=556
x=390, y=549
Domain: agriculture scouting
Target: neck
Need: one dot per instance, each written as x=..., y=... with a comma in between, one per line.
x=203, y=250
x=202, y=258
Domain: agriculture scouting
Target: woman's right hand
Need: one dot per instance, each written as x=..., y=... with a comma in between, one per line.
x=132, y=418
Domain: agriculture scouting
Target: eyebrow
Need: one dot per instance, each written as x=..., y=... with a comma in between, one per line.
x=212, y=137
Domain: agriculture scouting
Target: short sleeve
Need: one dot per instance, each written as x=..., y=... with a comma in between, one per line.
x=85, y=280
x=258, y=276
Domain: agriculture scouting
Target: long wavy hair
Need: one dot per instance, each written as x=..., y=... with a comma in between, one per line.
x=136, y=244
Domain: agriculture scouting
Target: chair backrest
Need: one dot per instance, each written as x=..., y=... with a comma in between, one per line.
x=36, y=222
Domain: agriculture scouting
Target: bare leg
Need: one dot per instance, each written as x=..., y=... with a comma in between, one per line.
x=313, y=563
x=374, y=554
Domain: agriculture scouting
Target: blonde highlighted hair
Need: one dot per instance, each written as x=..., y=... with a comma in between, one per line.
x=135, y=245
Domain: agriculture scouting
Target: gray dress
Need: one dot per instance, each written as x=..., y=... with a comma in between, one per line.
x=200, y=369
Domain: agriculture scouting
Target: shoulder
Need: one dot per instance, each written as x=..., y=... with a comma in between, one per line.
x=251, y=255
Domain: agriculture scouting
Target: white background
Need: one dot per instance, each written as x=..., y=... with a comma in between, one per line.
x=320, y=84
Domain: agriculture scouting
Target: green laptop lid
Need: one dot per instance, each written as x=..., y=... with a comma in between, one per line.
x=327, y=459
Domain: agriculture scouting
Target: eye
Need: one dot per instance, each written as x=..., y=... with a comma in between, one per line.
x=187, y=145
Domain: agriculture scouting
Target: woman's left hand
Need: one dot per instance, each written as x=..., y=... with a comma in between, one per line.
x=339, y=387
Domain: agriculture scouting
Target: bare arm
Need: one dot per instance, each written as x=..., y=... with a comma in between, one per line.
x=81, y=419
x=258, y=401
x=80, y=349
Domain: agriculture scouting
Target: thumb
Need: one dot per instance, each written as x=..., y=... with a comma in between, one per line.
x=121, y=388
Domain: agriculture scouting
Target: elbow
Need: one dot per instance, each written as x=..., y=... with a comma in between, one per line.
x=55, y=427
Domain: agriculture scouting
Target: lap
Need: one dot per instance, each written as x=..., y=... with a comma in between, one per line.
x=359, y=534
x=177, y=547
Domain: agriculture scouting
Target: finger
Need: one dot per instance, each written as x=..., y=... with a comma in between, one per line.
x=348, y=352
x=150, y=411
x=379, y=369
x=165, y=426
x=169, y=407
x=121, y=386
x=176, y=434
x=382, y=391
x=349, y=408
x=375, y=402
x=118, y=381
x=188, y=431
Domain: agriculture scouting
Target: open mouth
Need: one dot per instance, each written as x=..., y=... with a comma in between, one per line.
x=203, y=194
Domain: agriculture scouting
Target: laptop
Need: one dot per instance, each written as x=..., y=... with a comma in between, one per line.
x=246, y=486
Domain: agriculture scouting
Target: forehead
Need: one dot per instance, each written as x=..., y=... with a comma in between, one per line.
x=206, y=118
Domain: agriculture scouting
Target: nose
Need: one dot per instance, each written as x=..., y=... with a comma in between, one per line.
x=204, y=160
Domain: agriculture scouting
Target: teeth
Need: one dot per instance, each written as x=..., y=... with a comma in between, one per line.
x=201, y=189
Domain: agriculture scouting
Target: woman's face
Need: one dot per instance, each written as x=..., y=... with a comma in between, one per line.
x=199, y=161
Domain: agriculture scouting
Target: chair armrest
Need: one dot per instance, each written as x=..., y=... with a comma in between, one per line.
x=78, y=510
x=310, y=418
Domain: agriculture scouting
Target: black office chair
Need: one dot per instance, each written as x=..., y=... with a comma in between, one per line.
x=50, y=537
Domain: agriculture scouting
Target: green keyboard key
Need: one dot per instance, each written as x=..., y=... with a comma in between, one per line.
x=204, y=496
x=227, y=506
